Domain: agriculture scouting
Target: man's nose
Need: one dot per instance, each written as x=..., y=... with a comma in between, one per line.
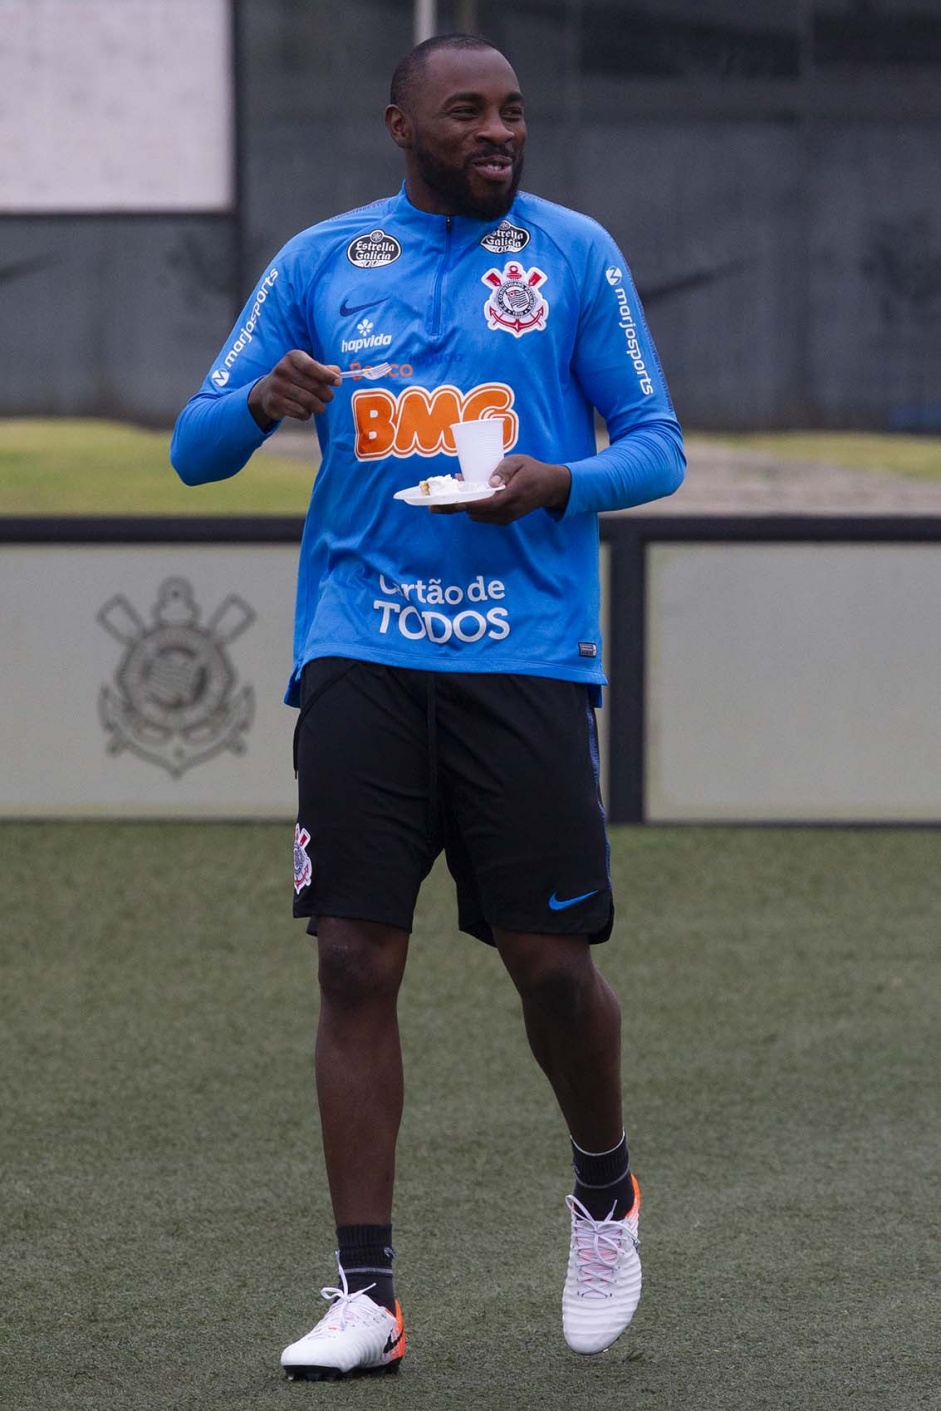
x=494, y=127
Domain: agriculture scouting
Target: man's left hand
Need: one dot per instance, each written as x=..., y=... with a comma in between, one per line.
x=530, y=485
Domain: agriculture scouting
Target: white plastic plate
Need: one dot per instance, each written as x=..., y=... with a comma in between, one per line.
x=414, y=495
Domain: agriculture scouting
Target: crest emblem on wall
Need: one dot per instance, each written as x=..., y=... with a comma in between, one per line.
x=173, y=700
x=515, y=303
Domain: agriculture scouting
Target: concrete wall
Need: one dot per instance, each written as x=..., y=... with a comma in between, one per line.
x=112, y=316
x=786, y=232
x=174, y=639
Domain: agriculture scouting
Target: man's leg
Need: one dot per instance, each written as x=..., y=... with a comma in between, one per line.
x=573, y=1023
x=366, y=837
x=359, y=1087
x=359, y=1064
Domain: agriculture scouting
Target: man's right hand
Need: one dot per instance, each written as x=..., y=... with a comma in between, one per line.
x=297, y=386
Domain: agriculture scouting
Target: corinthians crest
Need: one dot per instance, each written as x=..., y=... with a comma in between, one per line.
x=515, y=302
x=173, y=700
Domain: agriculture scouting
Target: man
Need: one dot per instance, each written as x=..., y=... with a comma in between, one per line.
x=447, y=663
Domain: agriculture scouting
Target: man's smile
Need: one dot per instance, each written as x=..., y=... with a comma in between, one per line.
x=492, y=166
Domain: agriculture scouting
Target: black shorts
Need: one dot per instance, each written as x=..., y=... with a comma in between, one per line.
x=500, y=771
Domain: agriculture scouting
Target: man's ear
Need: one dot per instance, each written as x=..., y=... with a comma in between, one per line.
x=399, y=126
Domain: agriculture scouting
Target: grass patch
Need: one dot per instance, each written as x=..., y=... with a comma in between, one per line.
x=915, y=456
x=167, y=1227
x=65, y=467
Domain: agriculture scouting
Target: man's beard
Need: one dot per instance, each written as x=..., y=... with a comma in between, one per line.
x=453, y=186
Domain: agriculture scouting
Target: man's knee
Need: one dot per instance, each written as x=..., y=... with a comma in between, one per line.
x=359, y=962
x=556, y=974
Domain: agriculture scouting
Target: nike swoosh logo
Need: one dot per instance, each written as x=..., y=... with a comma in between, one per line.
x=393, y=1342
x=347, y=310
x=556, y=905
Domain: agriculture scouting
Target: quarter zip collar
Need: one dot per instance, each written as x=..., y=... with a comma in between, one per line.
x=462, y=229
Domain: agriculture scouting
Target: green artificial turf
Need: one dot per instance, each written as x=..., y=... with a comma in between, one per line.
x=69, y=466
x=166, y=1227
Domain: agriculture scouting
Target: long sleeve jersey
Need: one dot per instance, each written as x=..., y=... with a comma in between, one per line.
x=532, y=320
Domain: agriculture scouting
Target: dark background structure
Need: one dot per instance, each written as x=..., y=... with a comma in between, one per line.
x=770, y=170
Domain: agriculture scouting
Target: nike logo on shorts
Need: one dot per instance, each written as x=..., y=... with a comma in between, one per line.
x=556, y=905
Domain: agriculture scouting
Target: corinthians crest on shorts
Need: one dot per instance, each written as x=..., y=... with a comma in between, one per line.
x=515, y=303
x=173, y=701
x=303, y=867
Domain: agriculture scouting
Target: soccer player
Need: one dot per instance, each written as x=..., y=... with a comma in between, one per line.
x=447, y=664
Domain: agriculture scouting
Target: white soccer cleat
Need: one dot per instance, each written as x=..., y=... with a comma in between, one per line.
x=602, y=1285
x=354, y=1336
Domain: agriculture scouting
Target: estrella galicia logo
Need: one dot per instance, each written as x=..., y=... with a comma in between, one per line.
x=173, y=700
x=507, y=239
x=373, y=250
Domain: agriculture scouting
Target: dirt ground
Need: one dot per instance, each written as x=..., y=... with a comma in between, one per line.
x=733, y=480
x=736, y=480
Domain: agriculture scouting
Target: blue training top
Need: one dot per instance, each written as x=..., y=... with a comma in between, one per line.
x=532, y=319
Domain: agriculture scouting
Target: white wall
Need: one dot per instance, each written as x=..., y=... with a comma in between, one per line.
x=115, y=105
x=793, y=682
x=785, y=682
x=192, y=688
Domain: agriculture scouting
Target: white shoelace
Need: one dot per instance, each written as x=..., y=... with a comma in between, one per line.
x=344, y=1304
x=598, y=1244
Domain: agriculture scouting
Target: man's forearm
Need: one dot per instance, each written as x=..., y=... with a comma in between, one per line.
x=214, y=437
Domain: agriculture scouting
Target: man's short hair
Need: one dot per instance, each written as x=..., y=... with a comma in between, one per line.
x=409, y=70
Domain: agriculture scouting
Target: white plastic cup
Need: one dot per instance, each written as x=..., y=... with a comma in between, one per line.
x=479, y=448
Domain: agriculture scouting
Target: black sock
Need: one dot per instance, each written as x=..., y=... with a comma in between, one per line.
x=365, y=1255
x=603, y=1181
